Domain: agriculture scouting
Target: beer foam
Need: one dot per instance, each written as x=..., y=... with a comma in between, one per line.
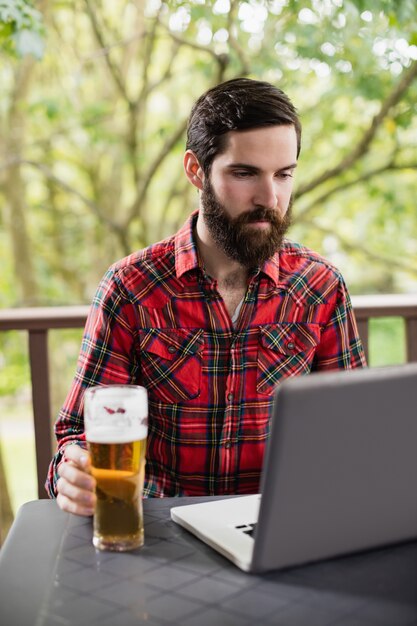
x=109, y=435
x=132, y=400
x=135, y=407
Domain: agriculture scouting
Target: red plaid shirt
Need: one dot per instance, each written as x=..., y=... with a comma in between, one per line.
x=158, y=320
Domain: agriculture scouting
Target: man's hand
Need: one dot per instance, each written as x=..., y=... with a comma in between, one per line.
x=75, y=485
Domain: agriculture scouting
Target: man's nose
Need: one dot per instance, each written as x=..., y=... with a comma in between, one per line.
x=266, y=194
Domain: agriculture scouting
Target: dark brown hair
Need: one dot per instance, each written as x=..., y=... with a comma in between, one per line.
x=238, y=104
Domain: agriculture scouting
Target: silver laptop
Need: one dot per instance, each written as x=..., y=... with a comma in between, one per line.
x=339, y=475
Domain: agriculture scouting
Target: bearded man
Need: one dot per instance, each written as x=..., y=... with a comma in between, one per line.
x=211, y=319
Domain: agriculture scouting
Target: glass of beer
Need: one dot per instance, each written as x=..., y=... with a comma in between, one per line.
x=116, y=427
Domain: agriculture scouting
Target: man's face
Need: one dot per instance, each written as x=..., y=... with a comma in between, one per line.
x=247, y=197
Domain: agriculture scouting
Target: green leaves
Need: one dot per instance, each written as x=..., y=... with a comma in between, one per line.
x=21, y=29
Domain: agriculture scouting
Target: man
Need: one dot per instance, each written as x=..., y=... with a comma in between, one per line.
x=212, y=319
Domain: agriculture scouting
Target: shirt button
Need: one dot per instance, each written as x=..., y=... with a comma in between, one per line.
x=290, y=345
x=230, y=397
x=172, y=349
x=228, y=444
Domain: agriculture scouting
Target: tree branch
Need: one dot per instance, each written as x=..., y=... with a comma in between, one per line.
x=168, y=70
x=137, y=110
x=234, y=5
x=191, y=44
x=147, y=177
x=114, y=71
x=178, y=189
x=55, y=179
x=363, y=146
x=149, y=46
x=102, y=52
x=390, y=166
x=354, y=248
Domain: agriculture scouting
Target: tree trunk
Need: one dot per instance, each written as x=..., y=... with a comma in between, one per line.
x=15, y=188
x=6, y=512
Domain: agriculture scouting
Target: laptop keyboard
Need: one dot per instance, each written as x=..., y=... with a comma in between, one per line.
x=248, y=529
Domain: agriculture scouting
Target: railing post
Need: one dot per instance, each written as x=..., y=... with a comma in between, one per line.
x=38, y=356
x=363, y=330
x=411, y=339
x=6, y=512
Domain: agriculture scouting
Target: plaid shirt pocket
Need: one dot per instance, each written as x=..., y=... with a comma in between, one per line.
x=171, y=363
x=285, y=350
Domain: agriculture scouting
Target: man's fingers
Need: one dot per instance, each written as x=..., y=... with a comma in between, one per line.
x=71, y=506
x=76, y=477
x=76, y=493
x=75, y=486
x=74, y=499
x=78, y=456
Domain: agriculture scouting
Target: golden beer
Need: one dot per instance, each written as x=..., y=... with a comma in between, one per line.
x=116, y=427
x=119, y=471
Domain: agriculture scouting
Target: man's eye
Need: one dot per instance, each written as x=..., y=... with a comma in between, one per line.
x=242, y=174
x=285, y=175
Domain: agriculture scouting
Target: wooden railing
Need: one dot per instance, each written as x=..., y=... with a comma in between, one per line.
x=38, y=321
x=404, y=306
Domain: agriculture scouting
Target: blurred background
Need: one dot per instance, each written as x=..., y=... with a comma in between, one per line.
x=94, y=100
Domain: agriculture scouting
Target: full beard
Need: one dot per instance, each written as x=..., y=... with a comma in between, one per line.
x=250, y=246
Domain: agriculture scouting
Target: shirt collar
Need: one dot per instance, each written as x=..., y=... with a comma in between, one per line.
x=271, y=268
x=187, y=257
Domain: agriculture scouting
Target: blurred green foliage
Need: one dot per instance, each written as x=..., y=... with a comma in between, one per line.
x=14, y=365
x=387, y=341
x=94, y=131
x=21, y=28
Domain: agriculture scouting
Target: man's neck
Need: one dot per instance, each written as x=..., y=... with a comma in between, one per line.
x=226, y=271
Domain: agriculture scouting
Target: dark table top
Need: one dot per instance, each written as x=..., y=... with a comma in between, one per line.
x=50, y=574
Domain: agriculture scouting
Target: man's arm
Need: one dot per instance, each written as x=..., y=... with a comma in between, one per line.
x=107, y=356
x=340, y=345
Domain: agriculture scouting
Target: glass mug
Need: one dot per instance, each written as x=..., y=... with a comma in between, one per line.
x=116, y=427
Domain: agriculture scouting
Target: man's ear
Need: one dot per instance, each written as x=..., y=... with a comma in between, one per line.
x=193, y=171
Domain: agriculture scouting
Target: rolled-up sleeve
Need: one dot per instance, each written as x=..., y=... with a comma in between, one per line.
x=340, y=346
x=107, y=356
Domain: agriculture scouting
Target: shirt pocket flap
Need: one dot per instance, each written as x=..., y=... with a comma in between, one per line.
x=290, y=339
x=173, y=343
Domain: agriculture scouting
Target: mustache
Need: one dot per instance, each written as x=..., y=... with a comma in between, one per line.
x=258, y=214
